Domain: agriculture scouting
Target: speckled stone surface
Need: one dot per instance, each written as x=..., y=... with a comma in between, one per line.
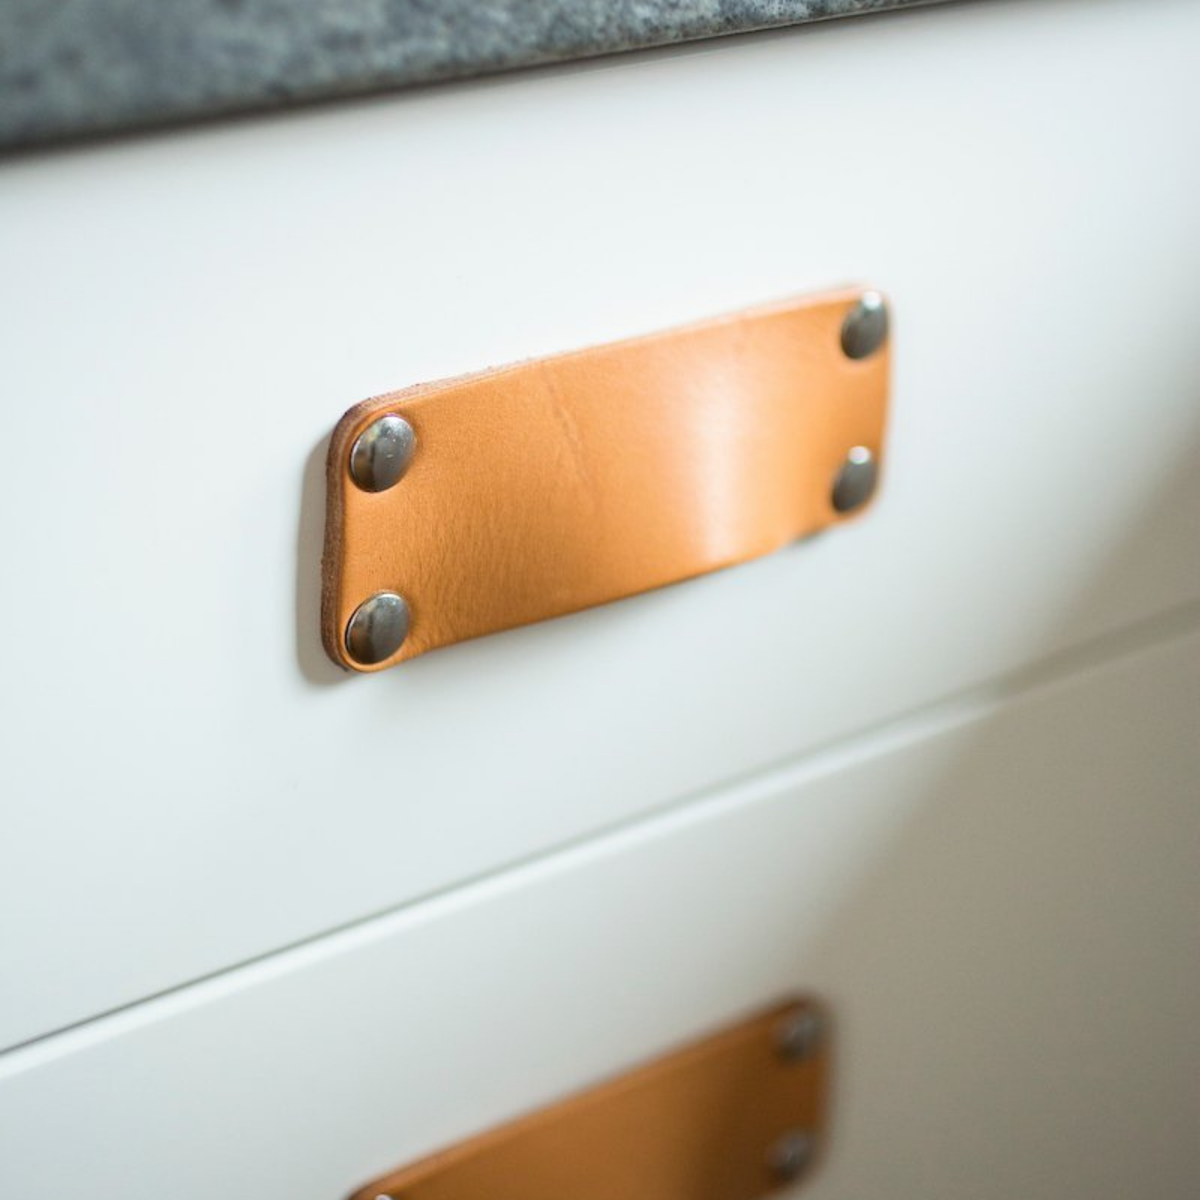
x=74, y=67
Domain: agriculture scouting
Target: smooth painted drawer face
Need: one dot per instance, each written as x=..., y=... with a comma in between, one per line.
x=968, y=891
x=188, y=784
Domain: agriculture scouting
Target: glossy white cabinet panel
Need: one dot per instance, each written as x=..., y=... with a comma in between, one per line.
x=999, y=900
x=187, y=784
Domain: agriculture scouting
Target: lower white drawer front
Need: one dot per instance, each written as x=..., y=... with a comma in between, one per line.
x=998, y=898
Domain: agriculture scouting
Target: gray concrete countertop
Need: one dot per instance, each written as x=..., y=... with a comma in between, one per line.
x=70, y=68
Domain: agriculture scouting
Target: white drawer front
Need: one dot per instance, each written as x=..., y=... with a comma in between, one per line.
x=189, y=785
x=997, y=899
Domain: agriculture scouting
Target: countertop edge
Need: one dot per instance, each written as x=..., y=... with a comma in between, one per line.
x=81, y=68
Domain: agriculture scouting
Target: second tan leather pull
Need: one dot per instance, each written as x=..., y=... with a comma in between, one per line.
x=734, y=1116
x=481, y=503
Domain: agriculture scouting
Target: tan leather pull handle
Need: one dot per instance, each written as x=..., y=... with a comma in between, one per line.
x=482, y=503
x=735, y=1116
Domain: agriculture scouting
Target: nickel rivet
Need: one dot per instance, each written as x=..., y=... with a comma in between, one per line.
x=791, y=1154
x=799, y=1034
x=855, y=481
x=377, y=629
x=865, y=327
x=381, y=453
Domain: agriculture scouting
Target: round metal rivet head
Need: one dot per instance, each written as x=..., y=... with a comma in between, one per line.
x=855, y=482
x=377, y=629
x=799, y=1034
x=790, y=1156
x=866, y=326
x=381, y=453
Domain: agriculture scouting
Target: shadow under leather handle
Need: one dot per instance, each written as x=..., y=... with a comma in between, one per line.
x=561, y=483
